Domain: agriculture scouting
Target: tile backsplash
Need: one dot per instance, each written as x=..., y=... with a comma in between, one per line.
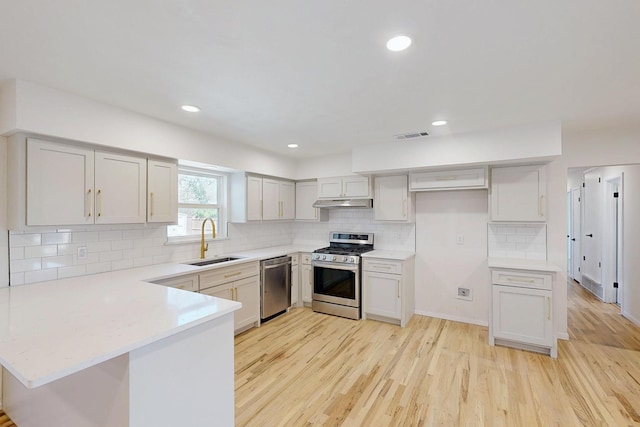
x=50, y=254
x=524, y=241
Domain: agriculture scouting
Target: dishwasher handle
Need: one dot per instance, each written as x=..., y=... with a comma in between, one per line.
x=269, y=267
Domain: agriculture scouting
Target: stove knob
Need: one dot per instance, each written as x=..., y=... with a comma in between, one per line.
x=345, y=259
x=352, y=259
x=333, y=258
x=324, y=257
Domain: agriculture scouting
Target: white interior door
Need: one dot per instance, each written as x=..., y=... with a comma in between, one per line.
x=611, y=239
x=575, y=233
x=592, y=208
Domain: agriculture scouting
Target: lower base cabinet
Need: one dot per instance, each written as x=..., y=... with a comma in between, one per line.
x=522, y=311
x=306, y=279
x=388, y=290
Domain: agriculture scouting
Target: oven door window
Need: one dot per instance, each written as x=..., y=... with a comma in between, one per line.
x=334, y=282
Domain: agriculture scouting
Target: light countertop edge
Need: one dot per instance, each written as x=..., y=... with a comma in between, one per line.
x=386, y=254
x=523, y=264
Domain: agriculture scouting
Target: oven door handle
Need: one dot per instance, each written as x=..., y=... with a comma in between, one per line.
x=348, y=267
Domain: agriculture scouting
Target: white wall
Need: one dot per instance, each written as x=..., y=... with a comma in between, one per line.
x=524, y=143
x=323, y=167
x=4, y=243
x=51, y=112
x=442, y=265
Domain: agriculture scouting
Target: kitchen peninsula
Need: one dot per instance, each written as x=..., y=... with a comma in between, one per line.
x=110, y=349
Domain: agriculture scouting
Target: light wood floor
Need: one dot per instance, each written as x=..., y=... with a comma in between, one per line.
x=305, y=369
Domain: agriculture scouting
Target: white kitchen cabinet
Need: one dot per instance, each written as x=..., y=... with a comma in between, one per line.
x=238, y=283
x=519, y=193
x=522, y=311
x=306, y=278
x=187, y=282
x=355, y=186
x=59, y=183
x=388, y=290
x=254, y=198
x=392, y=201
x=295, y=279
x=71, y=185
x=458, y=179
x=306, y=195
x=162, y=191
x=278, y=199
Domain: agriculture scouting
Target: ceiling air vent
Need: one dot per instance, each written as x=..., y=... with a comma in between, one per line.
x=412, y=135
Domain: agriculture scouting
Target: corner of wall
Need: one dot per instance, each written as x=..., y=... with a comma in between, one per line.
x=8, y=115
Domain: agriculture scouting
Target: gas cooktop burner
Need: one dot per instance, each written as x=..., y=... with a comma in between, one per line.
x=353, y=251
x=344, y=248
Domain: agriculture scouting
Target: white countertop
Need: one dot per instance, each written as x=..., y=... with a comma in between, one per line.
x=523, y=264
x=382, y=254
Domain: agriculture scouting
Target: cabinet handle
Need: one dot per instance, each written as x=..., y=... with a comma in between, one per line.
x=548, y=308
x=398, y=288
x=446, y=178
x=541, y=205
x=151, y=204
x=90, y=202
x=386, y=267
x=99, y=202
x=233, y=274
x=234, y=294
x=509, y=279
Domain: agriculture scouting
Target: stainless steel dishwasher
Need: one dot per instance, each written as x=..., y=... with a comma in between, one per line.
x=275, y=286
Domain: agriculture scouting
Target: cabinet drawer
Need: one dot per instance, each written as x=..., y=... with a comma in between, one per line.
x=228, y=274
x=383, y=266
x=440, y=180
x=188, y=283
x=306, y=258
x=295, y=258
x=521, y=279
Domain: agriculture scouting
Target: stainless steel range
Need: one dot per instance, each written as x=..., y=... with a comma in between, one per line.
x=337, y=272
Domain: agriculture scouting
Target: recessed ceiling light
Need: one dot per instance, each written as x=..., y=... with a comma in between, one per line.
x=439, y=123
x=292, y=145
x=398, y=43
x=190, y=108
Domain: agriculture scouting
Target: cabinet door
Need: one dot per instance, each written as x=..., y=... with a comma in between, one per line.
x=355, y=186
x=306, y=195
x=121, y=183
x=518, y=193
x=329, y=188
x=382, y=294
x=522, y=315
x=59, y=184
x=295, y=282
x=287, y=200
x=162, y=186
x=247, y=291
x=254, y=198
x=270, y=199
x=223, y=291
x=306, y=282
x=391, y=201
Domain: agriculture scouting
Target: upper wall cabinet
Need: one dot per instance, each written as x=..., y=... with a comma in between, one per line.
x=162, y=191
x=459, y=179
x=355, y=186
x=392, y=201
x=306, y=195
x=519, y=193
x=67, y=185
x=254, y=199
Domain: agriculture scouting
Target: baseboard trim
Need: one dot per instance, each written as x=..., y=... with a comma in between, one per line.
x=453, y=318
x=562, y=335
x=631, y=318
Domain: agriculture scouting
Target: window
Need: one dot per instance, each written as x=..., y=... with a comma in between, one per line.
x=201, y=195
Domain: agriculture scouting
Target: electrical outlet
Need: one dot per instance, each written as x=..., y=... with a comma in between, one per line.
x=464, y=293
x=82, y=252
x=460, y=239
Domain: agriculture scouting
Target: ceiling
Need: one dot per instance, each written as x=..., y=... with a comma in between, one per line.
x=317, y=73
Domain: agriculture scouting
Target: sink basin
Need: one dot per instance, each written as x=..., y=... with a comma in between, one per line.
x=213, y=261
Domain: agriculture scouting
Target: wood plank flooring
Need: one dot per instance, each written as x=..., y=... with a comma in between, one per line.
x=309, y=369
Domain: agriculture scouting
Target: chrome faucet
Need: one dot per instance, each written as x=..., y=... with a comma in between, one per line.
x=203, y=247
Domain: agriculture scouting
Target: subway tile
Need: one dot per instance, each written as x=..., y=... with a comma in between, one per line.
x=57, y=261
x=110, y=256
x=142, y=262
x=56, y=238
x=85, y=237
x=111, y=235
x=121, y=244
x=122, y=264
x=41, y=275
x=30, y=264
x=19, y=240
x=134, y=234
x=133, y=253
x=16, y=253
x=68, y=249
x=161, y=259
x=16, y=279
x=101, y=267
x=92, y=258
x=40, y=251
x=143, y=243
x=153, y=251
x=74, y=271
x=98, y=246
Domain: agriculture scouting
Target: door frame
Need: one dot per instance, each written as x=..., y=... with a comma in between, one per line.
x=611, y=251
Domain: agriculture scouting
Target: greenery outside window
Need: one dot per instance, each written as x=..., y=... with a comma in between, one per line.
x=201, y=195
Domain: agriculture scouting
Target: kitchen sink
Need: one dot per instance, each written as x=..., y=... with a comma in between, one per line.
x=213, y=261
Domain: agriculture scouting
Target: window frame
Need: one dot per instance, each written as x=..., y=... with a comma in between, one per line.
x=221, y=206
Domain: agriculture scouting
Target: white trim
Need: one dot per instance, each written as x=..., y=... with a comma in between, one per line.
x=452, y=318
x=633, y=320
x=562, y=336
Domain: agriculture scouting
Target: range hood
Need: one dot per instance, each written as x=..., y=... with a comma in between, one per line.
x=343, y=203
